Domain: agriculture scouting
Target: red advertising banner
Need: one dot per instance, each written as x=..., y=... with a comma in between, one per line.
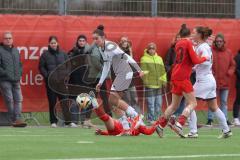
x=31, y=34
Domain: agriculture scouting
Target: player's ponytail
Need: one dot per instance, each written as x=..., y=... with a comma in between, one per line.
x=184, y=31
x=99, y=31
x=205, y=32
x=100, y=27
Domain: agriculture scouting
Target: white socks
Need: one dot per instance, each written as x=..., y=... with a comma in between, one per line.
x=222, y=120
x=236, y=122
x=193, y=122
x=131, y=112
x=219, y=115
x=123, y=120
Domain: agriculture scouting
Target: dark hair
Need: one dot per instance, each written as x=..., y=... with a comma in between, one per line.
x=101, y=27
x=219, y=35
x=81, y=36
x=99, y=31
x=52, y=38
x=184, y=31
x=205, y=32
x=174, y=41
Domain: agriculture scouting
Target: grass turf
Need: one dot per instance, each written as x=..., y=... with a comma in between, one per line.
x=38, y=143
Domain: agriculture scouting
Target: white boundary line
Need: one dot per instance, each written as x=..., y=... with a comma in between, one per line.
x=62, y=135
x=85, y=142
x=155, y=157
x=30, y=135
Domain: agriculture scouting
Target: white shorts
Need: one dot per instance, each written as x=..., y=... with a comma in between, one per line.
x=122, y=82
x=205, y=88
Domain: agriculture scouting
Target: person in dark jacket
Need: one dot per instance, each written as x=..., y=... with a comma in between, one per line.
x=49, y=61
x=171, y=56
x=10, y=75
x=236, y=106
x=80, y=75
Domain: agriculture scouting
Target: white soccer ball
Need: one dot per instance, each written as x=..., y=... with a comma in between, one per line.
x=83, y=101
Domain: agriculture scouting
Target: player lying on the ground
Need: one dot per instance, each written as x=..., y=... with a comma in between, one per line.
x=114, y=127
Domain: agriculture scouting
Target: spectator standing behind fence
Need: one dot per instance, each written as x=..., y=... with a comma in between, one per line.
x=171, y=56
x=223, y=69
x=49, y=61
x=10, y=75
x=154, y=79
x=79, y=76
x=130, y=95
x=236, y=106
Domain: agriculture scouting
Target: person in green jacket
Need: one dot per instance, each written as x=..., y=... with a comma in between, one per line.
x=154, y=80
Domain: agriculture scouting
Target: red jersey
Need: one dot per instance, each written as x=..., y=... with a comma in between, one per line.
x=118, y=129
x=186, y=58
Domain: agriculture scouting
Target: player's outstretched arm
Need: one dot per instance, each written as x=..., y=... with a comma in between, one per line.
x=100, y=132
x=133, y=63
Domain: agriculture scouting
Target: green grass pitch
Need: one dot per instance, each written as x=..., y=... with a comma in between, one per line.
x=44, y=143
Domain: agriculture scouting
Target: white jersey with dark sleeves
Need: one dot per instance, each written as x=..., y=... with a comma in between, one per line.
x=205, y=86
x=121, y=63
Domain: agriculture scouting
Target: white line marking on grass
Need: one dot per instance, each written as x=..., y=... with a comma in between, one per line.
x=85, y=142
x=200, y=136
x=156, y=157
x=22, y=131
x=28, y=135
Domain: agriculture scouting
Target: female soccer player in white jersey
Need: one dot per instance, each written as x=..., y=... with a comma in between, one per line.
x=122, y=65
x=205, y=86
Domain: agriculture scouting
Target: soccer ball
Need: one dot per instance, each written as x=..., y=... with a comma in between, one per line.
x=83, y=101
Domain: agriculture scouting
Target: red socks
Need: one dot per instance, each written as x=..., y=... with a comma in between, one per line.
x=147, y=131
x=104, y=117
x=101, y=114
x=182, y=119
x=162, y=121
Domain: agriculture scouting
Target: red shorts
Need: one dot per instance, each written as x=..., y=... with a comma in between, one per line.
x=178, y=87
x=118, y=128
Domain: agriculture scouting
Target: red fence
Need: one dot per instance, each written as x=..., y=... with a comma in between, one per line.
x=31, y=34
